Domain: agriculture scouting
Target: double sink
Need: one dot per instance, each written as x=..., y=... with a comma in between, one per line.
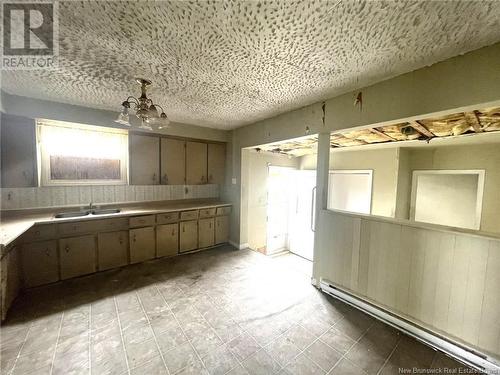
x=103, y=211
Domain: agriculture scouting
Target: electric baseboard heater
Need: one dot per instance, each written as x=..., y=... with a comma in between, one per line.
x=465, y=355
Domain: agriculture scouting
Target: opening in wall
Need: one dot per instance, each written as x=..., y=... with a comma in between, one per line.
x=350, y=190
x=448, y=197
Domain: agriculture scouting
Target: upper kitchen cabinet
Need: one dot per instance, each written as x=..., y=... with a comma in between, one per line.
x=196, y=163
x=216, y=163
x=173, y=161
x=144, y=159
x=18, y=152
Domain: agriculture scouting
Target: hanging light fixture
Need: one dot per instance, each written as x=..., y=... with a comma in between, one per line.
x=145, y=110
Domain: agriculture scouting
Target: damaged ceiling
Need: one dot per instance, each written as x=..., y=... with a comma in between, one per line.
x=224, y=64
x=473, y=122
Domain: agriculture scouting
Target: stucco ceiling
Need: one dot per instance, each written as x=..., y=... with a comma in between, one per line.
x=224, y=64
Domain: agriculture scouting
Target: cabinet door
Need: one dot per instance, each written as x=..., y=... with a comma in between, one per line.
x=167, y=240
x=142, y=244
x=206, y=233
x=40, y=263
x=144, y=159
x=216, y=163
x=196, y=163
x=10, y=281
x=221, y=229
x=78, y=256
x=173, y=161
x=18, y=151
x=112, y=249
x=188, y=236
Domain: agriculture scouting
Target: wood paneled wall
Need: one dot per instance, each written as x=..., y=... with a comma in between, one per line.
x=448, y=282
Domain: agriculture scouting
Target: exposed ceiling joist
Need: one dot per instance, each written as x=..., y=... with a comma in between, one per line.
x=421, y=129
x=425, y=129
x=382, y=134
x=473, y=121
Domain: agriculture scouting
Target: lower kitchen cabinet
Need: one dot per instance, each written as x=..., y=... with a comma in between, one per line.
x=10, y=280
x=142, y=244
x=167, y=240
x=206, y=233
x=188, y=236
x=40, y=263
x=112, y=249
x=221, y=229
x=78, y=256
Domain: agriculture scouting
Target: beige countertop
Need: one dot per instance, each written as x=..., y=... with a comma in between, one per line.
x=16, y=222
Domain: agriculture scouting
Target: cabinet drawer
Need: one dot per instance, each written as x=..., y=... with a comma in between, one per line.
x=221, y=211
x=40, y=232
x=141, y=221
x=78, y=227
x=170, y=217
x=189, y=215
x=107, y=225
x=207, y=212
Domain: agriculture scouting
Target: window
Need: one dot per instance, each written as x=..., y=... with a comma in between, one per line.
x=448, y=197
x=75, y=154
x=350, y=190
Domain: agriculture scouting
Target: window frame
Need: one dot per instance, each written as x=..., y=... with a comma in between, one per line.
x=479, y=196
x=43, y=156
x=350, y=171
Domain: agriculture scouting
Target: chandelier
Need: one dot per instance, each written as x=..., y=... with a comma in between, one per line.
x=145, y=110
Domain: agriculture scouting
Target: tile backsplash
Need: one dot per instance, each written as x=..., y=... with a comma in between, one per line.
x=58, y=196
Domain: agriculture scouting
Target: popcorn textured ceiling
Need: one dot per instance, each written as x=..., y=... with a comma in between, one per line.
x=224, y=64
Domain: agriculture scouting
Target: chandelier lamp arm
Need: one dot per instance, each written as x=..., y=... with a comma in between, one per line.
x=133, y=101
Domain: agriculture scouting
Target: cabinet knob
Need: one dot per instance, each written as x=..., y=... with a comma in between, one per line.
x=210, y=225
x=173, y=232
x=134, y=238
x=47, y=252
x=183, y=228
x=165, y=179
x=120, y=240
x=37, y=233
x=154, y=176
x=67, y=248
x=202, y=178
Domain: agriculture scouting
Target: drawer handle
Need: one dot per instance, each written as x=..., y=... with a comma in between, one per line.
x=183, y=228
x=210, y=225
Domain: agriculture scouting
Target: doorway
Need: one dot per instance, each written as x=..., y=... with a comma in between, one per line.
x=290, y=211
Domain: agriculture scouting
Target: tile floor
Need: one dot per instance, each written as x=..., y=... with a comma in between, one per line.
x=216, y=312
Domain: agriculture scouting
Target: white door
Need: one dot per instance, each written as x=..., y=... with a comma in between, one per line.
x=301, y=235
x=278, y=207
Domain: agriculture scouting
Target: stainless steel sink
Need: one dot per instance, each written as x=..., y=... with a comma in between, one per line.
x=71, y=214
x=106, y=211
